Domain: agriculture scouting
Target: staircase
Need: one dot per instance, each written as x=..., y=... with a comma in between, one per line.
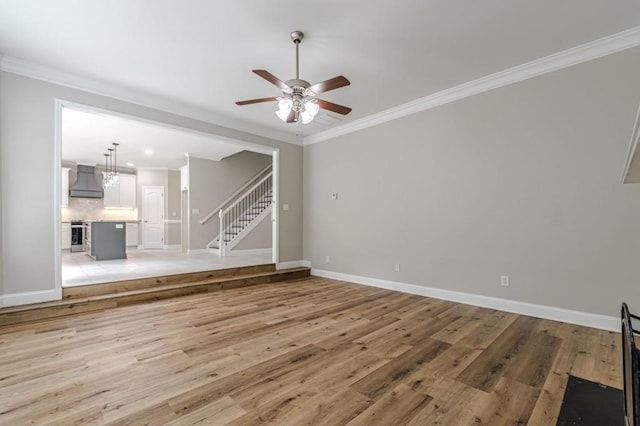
x=98, y=297
x=242, y=215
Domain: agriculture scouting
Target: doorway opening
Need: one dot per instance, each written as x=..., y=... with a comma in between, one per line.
x=179, y=179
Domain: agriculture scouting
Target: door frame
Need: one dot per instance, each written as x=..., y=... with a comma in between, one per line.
x=184, y=220
x=57, y=166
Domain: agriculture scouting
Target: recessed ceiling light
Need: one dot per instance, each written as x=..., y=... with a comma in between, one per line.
x=130, y=164
x=148, y=152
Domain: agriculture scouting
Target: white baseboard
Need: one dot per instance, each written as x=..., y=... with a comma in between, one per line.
x=293, y=264
x=29, y=297
x=249, y=252
x=171, y=246
x=603, y=322
x=198, y=251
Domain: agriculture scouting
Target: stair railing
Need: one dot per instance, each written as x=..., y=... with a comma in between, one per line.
x=243, y=210
x=235, y=194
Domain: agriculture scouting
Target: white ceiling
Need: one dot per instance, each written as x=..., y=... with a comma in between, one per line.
x=200, y=53
x=86, y=136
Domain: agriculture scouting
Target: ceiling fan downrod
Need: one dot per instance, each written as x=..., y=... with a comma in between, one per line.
x=296, y=37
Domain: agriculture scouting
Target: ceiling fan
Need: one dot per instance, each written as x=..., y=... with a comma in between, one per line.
x=298, y=100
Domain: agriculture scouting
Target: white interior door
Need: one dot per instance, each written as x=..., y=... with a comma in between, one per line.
x=152, y=217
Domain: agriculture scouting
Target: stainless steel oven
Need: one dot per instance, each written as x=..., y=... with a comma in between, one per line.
x=77, y=236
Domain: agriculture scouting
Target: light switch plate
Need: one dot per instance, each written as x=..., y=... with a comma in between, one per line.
x=334, y=195
x=285, y=207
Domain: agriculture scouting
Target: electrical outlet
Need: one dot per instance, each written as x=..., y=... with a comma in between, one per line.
x=396, y=267
x=285, y=207
x=504, y=280
x=327, y=259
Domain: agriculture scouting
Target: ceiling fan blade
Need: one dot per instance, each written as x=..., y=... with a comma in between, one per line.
x=340, y=109
x=271, y=78
x=291, y=118
x=331, y=84
x=255, y=101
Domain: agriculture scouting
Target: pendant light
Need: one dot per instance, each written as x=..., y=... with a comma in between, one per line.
x=111, y=175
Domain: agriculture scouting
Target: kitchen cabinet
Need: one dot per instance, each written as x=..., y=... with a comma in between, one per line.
x=64, y=186
x=132, y=234
x=65, y=236
x=121, y=195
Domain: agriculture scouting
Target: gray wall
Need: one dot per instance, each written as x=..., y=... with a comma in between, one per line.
x=27, y=147
x=27, y=162
x=173, y=206
x=521, y=181
x=210, y=183
x=258, y=238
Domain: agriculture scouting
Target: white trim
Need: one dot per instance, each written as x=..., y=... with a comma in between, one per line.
x=633, y=147
x=172, y=221
x=57, y=200
x=198, y=251
x=171, y=246
x=540, y=311
x=293, y=264
x=246, y=252
x=17, y=299
x=152, y=168
x=275, y=199
x=557, y=61
x=55, y=76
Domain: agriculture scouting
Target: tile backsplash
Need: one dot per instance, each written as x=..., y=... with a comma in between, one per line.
x=93, y=209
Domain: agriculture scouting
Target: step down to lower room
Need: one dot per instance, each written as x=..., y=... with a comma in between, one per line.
x=97, y=297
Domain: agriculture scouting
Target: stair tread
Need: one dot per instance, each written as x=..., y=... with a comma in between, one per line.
x=160, y=288
x=191, y=284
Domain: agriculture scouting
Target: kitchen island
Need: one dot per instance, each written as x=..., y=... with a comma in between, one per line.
x=106, y=239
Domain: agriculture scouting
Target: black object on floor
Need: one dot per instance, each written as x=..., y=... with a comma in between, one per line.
x=589, y=403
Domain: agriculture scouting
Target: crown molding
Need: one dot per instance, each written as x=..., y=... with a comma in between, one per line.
x=62, y=78
x=557, y=61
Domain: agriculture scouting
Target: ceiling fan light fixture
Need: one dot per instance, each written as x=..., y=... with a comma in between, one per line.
x=284, y=108
x=311, y=109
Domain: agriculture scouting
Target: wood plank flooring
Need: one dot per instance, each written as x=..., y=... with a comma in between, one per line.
x=307, y=352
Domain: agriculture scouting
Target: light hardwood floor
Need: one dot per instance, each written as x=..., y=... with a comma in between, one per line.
x=313, y=351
